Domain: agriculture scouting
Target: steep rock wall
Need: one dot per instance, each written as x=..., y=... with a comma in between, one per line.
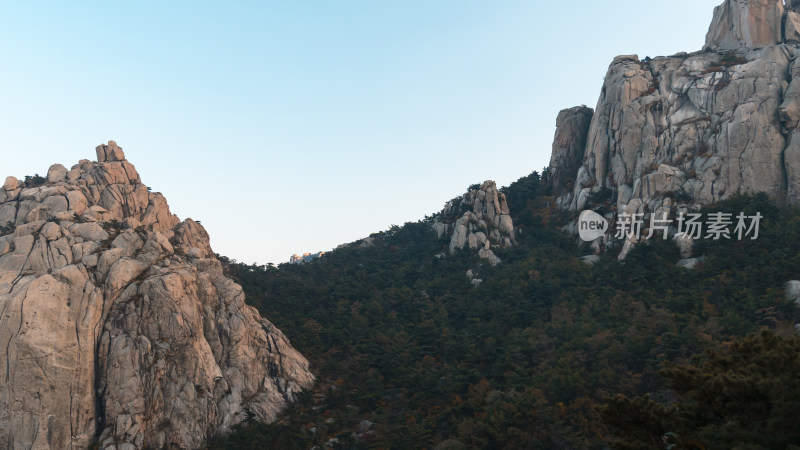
x=117, y=323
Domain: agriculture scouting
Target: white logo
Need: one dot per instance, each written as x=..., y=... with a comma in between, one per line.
x=591, y=226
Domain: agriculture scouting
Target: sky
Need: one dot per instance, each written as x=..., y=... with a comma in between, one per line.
x=295, y=126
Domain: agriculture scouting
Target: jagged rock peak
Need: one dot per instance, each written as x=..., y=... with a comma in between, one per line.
x=748, y=24
x=109, y=152
x=119, y=327
x=479, y=220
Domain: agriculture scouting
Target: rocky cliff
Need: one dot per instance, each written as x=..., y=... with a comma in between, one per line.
x=569, y=144
x=746, y=24
x=693, y=129
x=117, y=323
x=478, y=220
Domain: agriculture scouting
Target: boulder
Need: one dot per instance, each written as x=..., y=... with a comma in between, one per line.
x=590, y=259
x=109, y=152
x=364, y=426
x=791, y=30
x=489, y=256
x=685, y=245
x=793, y=290
x=56, y=173
x=51, y=231
x=11, y=184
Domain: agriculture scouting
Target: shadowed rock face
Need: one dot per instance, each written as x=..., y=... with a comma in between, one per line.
x=117, y=324
x=569, y=144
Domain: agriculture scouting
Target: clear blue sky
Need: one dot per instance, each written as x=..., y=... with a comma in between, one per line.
x=294, y=126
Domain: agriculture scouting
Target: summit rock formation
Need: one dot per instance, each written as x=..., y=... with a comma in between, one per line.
x=478, y=220
x=746, y=24
x=692, y=129
x=118, y=326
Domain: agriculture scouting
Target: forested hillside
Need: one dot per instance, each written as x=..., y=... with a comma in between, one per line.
x=548, y=352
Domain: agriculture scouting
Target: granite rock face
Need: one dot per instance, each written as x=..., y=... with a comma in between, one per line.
x=569, y=144
x=706, y=124
x=746, y=24
x=671, y=134
x=118, y=325
x=478, y=220
x=695, y=129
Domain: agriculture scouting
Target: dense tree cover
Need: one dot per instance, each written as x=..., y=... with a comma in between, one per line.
x=745, y=395
x=399, y=337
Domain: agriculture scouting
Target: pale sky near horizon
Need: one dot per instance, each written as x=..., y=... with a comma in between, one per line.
x=292, y=127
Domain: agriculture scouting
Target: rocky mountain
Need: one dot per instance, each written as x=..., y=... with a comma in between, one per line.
x=305, y=257
x=545, y=351
x=478, y=220
x=117, y=323
x=692, y=129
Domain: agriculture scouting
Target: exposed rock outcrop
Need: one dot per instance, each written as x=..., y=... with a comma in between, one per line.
x=697, y=128
x=478, y=220
x=117, y=323
x=705, y=124
x=674, y=133
x=746, y=24
x=791, y=31
x=305, y=257
x=569, y=144
x=792, y=289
